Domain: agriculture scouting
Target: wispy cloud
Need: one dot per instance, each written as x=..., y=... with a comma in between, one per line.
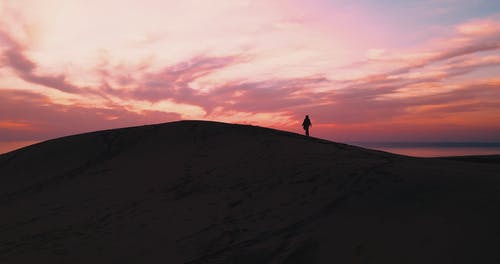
x=14, y=56
x=27, y=115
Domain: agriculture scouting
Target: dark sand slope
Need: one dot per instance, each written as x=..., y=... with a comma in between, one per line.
x=203, y=192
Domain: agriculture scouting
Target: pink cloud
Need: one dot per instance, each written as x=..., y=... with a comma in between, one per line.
x=47, y=120
x=174, y=82
x=479, y=27
x=13, y=56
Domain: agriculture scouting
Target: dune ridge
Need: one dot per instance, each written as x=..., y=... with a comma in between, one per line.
x=207, y=192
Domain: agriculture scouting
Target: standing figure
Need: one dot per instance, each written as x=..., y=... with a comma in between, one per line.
x=306, y=124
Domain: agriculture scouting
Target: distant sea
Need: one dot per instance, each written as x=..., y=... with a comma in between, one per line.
x=434, y=149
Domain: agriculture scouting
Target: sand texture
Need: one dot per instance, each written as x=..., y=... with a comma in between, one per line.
x=205, y=192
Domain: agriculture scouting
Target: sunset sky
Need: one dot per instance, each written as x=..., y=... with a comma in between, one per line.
x=367, y=70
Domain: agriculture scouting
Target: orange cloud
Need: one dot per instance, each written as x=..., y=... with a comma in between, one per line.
x=15, y=125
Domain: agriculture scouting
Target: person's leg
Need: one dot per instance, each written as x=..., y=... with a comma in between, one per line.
x=307, y=131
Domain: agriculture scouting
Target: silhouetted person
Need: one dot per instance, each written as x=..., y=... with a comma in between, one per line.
x=306, y=124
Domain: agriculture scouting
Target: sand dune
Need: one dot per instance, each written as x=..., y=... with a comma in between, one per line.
x=205, y=192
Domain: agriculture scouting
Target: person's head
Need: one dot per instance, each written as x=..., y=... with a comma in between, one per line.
x=307, y=116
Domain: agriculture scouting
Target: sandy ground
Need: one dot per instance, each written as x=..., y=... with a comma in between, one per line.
x=204, y=192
